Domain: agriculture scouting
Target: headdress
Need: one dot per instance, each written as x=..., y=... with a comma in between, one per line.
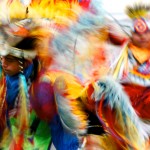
x=22, y=16
x=139, y=13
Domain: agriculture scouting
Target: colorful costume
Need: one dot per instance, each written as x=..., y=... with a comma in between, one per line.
x=108, y=99
x=103, y=97
x=132, y=68
x=60, y=99
x=122, y=100
x=23, y=129
x=20, y=129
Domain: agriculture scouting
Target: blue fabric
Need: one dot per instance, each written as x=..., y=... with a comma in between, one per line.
x=144, y=68
x=12, y=83
x=61, y=138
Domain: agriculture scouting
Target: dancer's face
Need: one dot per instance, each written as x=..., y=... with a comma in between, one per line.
x=10, y=65
x=141, y=40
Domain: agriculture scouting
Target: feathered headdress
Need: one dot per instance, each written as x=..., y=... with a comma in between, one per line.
x=22, y=16
x=139, y=13
x=58, y=10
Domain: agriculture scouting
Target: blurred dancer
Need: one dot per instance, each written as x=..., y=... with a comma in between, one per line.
x=121, y=101
x=132, y=68
x=29, y=113
x=29, y=89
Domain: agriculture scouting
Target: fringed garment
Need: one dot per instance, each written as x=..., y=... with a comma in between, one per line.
x=24, y=130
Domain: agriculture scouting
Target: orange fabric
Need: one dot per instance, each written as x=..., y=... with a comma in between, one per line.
x=140, y=54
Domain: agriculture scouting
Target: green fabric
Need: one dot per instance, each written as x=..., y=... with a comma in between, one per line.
x=42, y=136
x=39, y=140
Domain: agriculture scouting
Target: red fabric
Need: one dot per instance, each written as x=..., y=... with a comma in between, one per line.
x=140, y=99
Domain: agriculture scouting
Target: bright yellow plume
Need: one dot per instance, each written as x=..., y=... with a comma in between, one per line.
x=58, y=10
x=137, y=11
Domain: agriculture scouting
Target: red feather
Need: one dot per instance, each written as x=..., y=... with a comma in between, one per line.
x=84, y=4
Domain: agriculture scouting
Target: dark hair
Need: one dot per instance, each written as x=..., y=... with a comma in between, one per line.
x=28, y=43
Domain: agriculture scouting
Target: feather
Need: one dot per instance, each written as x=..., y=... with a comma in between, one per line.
x=50, y=9
x=137, y=11
x=81, y=42
x=131, y=129
x=71, y=110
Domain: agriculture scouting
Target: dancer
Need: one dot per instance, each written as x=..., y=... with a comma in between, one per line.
x=29, y=113
x=122, y=100
x=132, y=68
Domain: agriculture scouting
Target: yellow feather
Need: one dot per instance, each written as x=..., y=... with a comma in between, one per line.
x=74, y=88
x=57, y=10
